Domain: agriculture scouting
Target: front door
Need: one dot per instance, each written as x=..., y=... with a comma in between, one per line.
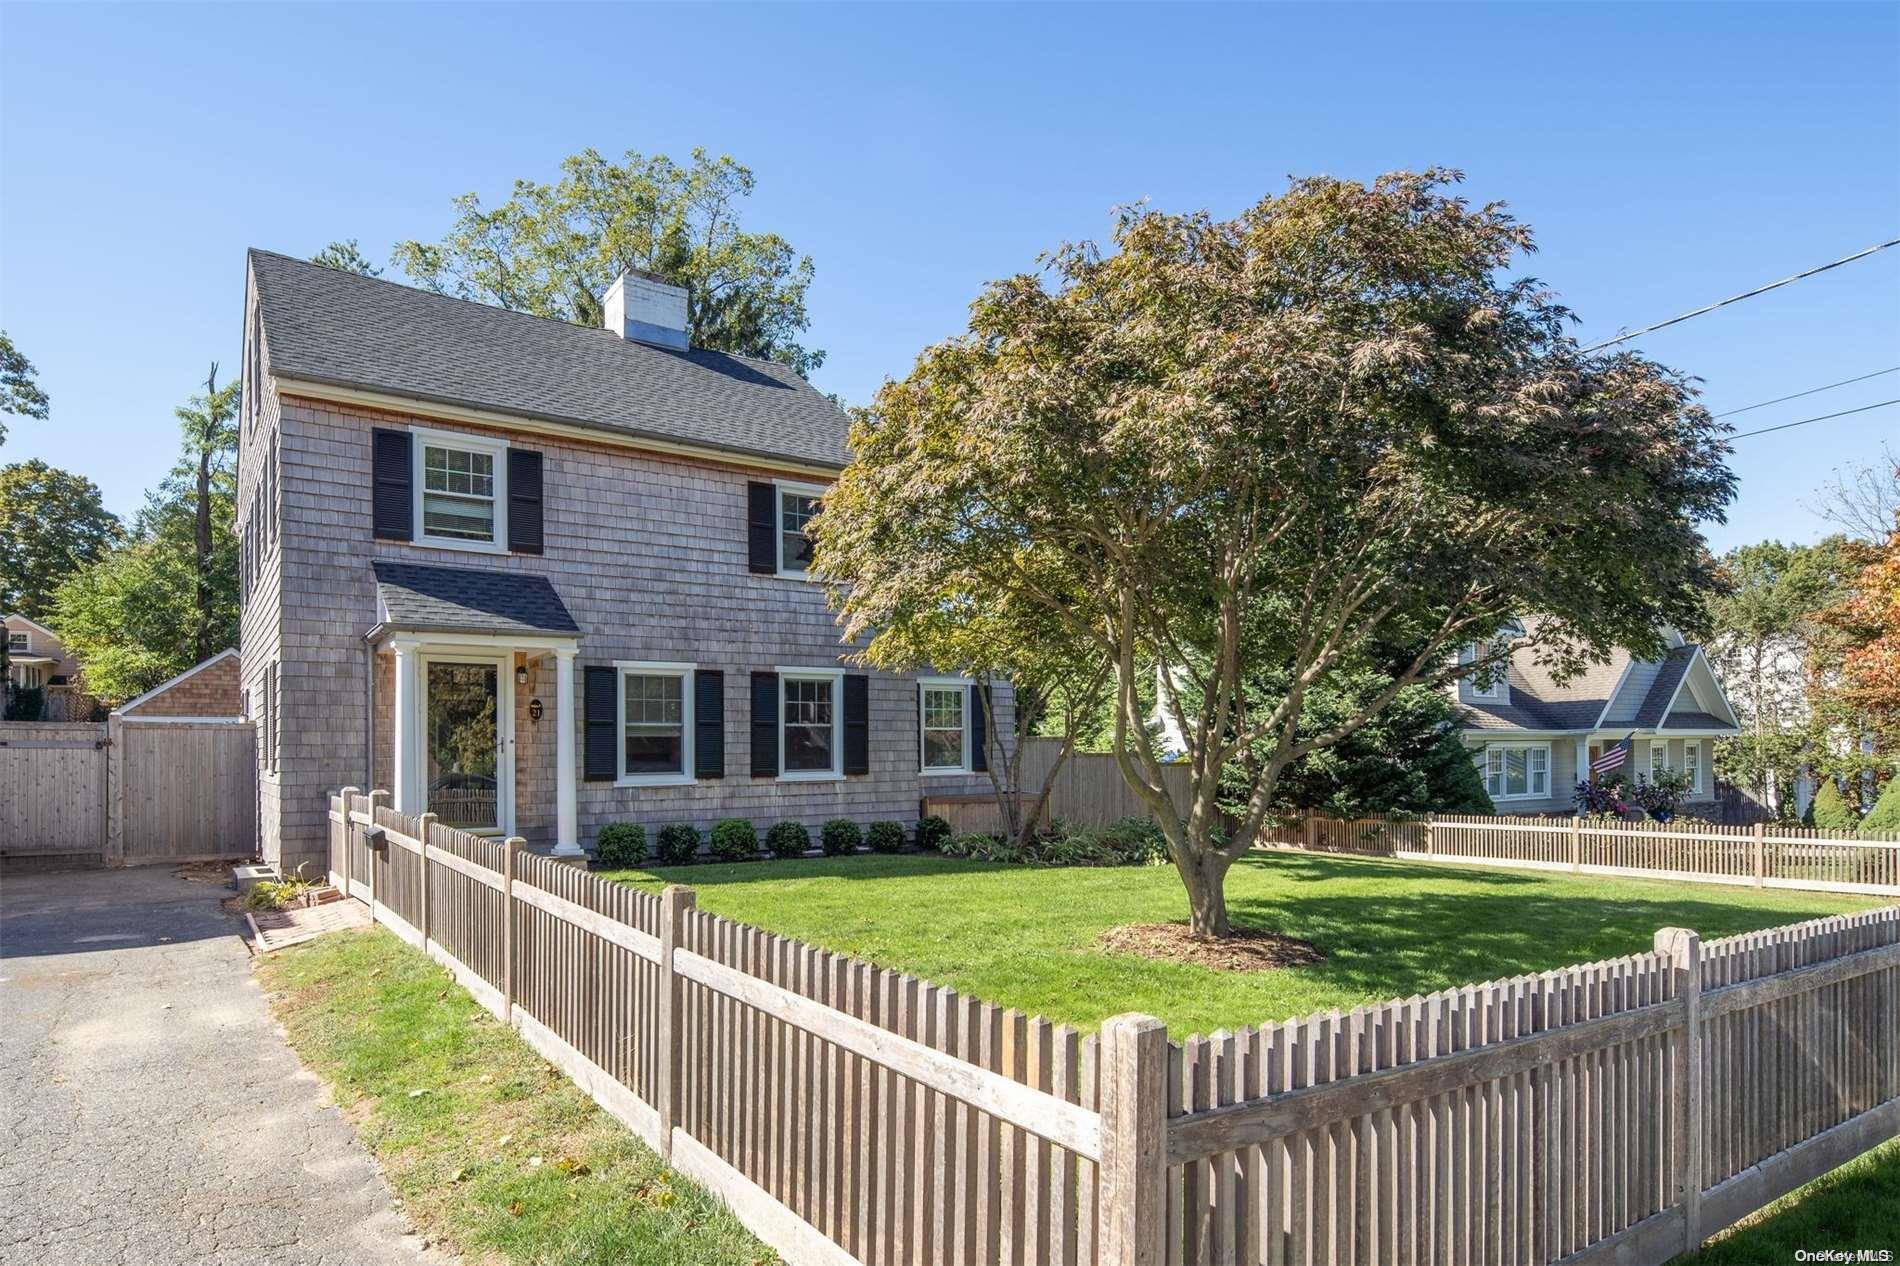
x=467, y=768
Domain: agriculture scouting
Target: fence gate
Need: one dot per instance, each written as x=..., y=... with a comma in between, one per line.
x=53, y=791
x=127, y=791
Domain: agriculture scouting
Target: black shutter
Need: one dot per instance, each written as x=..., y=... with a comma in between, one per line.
x=602, y=699
x=762, y=527
x=524, y=501
x=765, y=725
x=709, y=723
x=394, y=509
x=979, y=729
x=857, y=724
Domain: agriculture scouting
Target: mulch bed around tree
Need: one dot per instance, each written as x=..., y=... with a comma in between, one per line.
x=1243, y=950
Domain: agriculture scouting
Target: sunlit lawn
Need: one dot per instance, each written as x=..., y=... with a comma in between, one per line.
x=1853, y=1208
x=1025, y=937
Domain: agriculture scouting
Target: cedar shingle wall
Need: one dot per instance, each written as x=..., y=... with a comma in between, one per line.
x=649, y=554
x=209, y=692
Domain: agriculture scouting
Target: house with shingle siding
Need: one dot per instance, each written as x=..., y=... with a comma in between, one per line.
x=1535, y=735
x=535, y=577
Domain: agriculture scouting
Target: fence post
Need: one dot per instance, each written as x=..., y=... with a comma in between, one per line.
x=1312, y=832
x=114, y=852
x=1576, y=843
x=349, y=795
x=1431, y=830
x=1760, y=851
x=1134, y=1166
x=423, y=824
x=674, y=903
x=509, y=848
x=1684, y=948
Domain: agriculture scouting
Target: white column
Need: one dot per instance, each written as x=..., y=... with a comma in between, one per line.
x=405, y=796
x=1583, y=761
x=566, y=796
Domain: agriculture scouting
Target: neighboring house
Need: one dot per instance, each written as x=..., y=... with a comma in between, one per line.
x=1531, y=735
x=211, y=690
x=535, y=577
x=37, y=661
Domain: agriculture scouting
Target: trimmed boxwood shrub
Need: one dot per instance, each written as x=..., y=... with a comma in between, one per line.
x=886, y=837
x=621, y=844
x=734, y=840
x=1831, y=810
x=933, y=832
x=1885, y=815
x=840, y=836
x=677, y=844
x=788, y=839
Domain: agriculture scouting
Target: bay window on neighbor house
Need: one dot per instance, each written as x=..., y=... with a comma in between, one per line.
x=808, y=724
x=1517, y=771
x=656, y=718
x=944, y=704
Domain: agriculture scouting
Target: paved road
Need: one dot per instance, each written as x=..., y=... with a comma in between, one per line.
x=149, y=1109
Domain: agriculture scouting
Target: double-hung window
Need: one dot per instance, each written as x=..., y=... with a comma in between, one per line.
x=1517, y=771
x=809, y=745
x=462, y=490
x=18, y=643
x=797, y=506
x=1692, y=765
x=656, y=723
x=945, y=708
x=1658, y=758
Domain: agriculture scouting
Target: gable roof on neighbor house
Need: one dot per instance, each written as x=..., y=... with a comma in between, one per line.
x=1603, y=695
x=331, y=328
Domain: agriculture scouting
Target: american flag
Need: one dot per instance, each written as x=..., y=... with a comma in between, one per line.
x=1612, y=757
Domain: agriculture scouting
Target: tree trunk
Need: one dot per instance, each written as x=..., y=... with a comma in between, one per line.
x=201, y=638
x=1205, y=877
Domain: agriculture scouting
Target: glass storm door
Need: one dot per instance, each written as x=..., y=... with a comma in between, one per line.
x=462, y=737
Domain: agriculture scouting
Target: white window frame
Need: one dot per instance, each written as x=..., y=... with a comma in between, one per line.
x=1529, y=792
x=421, y=439
x=1692, y=764
x=653, y=668
x=25, y=645
x=1658, y=748
x=780, y=487
x=926, y=684
x=836, y=677
x=1498, y=692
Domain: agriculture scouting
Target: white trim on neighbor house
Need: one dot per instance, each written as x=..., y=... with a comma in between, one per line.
x=1609, y=702
x=1720, y=694
x=836, y=677
x=422, y=438
x=187, y=675
x=653, y=668
x=1530, y=792
x=15, y=615
x=964, y=765
x=530, y=425
x=780, y=487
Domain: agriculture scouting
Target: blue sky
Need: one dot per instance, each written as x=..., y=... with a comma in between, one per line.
x=1667, y=156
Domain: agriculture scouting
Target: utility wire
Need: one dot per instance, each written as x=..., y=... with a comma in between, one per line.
x=1785, y=426
x=1746, y=294
x=1810, y=391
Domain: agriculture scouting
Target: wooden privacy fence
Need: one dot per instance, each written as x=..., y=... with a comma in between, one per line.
x=128, y=790
x=1612, y=1112
x=1763, y=856
x=1089, y=790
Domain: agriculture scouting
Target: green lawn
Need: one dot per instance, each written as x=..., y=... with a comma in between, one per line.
x=1854, y=1207
x=491, y=1149
x=1024, y=937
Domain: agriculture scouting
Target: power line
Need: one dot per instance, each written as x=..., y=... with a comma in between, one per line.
x=1810, y=391
x=1823, y=418
x=1746, y=294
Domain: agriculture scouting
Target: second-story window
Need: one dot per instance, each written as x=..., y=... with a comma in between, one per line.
x=796, y=508
x=462, y=491
x=18, y=643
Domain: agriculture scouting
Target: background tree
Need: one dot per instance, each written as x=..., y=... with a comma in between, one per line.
x=1761, y=624
x=209, y=425
x=1863, y=499
x=163, y=600
x=20, y=394
x=1278, y=443
x=345, y=257
x=1856, y=664
x=553, y=250
x=53, y=523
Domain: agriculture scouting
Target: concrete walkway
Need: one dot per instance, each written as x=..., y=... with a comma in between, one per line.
x=150, y=1112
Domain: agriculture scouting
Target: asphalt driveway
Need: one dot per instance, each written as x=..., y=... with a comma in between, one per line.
x=149, y=1110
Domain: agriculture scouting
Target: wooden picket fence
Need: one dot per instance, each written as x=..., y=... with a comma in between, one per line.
x=1762, y=856
x=1612, y=1112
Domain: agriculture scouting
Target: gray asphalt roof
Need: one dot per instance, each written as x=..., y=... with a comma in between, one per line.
x=328, y=326
x=415, y=596
x=1682, y=720
x=1663, y=689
